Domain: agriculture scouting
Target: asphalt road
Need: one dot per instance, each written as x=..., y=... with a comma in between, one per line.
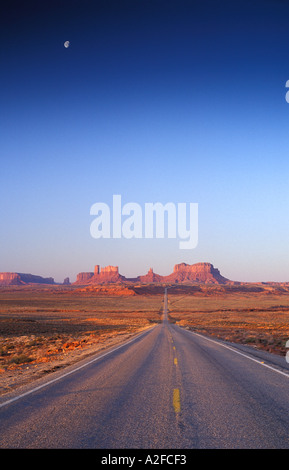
x=166, y=389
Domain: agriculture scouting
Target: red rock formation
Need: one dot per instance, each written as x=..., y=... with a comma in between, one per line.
x=83, y=278
x=106, y=275
x=31, y=278
x=150, y=277
x=13, y=279
x=110, y=270
x=199, y=272
x=10, y=279
x=204, y=273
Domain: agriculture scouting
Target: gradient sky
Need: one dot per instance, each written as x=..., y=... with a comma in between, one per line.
x=156, y=100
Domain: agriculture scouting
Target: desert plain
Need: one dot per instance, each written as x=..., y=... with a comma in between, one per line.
x=44, y=328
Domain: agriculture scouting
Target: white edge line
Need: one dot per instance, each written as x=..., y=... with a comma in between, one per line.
x=241, y=354
x=72, y=371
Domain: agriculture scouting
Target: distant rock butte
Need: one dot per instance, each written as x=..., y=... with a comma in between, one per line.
x=199, y=272
x=150, y=277
x=18, y=279
x=106, y=275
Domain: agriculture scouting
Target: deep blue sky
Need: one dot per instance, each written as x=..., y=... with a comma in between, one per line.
x=159, y=101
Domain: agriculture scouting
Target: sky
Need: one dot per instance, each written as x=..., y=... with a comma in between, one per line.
x=177, y=101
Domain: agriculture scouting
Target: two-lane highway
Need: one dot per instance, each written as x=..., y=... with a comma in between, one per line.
x=166, y=389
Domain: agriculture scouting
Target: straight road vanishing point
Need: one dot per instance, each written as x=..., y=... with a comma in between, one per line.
x=166, y=388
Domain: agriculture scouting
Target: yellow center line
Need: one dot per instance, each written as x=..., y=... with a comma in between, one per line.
x=175, y=361
x=176, y=400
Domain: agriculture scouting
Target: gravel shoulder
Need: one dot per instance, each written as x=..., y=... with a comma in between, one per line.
x=13, y=379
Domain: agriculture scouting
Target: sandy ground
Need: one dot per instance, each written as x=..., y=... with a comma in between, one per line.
x=13, y=378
